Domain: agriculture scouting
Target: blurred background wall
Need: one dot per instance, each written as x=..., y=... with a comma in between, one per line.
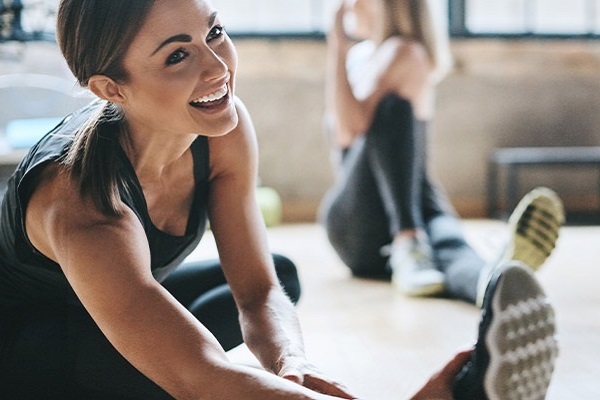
x=502, y=93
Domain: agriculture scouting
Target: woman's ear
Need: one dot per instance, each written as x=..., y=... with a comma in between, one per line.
x=106, y=88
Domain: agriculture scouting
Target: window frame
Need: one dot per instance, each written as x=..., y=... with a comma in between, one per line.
x=456, y=21
x=457, y=27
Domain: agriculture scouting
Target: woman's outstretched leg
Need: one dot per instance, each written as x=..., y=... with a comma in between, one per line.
x=202, y=288
x=456, y=258
x=533, y=231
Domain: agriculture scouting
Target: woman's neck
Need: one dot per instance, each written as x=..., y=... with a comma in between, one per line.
x=152, y=154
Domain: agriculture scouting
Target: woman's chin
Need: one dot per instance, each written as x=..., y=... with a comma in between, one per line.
x=220, y=129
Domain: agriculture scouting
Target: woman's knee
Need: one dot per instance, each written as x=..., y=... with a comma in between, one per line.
x=288, y=276
x=393, y=114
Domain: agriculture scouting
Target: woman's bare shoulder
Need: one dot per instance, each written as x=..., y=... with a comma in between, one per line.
x=57, y=207
x=55, y=188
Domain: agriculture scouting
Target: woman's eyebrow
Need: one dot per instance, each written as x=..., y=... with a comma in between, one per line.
x=184, y=38
x=177, y=38
x=211, y=19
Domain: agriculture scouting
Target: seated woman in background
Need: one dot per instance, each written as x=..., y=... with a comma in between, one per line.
x=385, y=217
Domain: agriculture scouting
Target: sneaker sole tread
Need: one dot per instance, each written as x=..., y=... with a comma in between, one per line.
x=535, y=222
x=520, y=340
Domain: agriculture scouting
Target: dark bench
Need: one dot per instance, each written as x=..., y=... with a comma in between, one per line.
x=514, y=159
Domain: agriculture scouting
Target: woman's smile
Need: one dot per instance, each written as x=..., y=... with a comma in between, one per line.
x=214, y=102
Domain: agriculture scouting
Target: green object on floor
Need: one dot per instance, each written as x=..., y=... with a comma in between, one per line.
x=270, y=205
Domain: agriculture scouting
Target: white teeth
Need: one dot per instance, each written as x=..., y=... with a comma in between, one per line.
x=219, y=94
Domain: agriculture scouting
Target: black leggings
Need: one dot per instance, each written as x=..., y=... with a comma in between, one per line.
x=49, y=353
x=383, y=187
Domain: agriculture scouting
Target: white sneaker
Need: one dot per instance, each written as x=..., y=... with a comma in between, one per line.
x=534, y=226
x=413, y=271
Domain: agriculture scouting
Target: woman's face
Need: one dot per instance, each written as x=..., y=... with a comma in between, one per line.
x=366, y=15
x=181, y=70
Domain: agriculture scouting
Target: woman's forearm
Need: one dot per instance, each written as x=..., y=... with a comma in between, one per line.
x=271, y=330
x=180, y=355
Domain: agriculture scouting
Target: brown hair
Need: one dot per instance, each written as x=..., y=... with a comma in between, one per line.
x=413, y=19
x=94, y=36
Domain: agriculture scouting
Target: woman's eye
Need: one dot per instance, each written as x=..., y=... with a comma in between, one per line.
x=177, y=57
x=216, y=32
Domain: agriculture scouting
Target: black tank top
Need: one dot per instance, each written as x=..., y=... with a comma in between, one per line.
x=27, y=276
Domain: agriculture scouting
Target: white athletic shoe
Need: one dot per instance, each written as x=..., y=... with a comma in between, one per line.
x=414, y=272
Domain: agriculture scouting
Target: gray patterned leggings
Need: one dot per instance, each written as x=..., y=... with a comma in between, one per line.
x=383, y=187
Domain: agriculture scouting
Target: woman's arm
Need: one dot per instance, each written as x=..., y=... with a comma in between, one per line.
x=268, y=319
x=397, y=66
x=107, y=262
x=345, y=117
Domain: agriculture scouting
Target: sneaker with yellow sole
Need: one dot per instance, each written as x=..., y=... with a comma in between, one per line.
x=534, y=227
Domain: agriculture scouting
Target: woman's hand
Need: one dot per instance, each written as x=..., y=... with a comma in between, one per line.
x=297, y=369
x=439, y=386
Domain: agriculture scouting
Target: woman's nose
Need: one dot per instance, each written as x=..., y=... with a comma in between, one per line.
x=212, y=67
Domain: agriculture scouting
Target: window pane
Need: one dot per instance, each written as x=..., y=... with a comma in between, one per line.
x=496, y=16
x=439, y=9
x=295, y=16
x=39, y=15
x=327, y=9
x=272, y=15
x=560, y=16
x=595, y=16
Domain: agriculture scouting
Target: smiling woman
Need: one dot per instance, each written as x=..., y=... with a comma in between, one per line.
x=103, y=210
